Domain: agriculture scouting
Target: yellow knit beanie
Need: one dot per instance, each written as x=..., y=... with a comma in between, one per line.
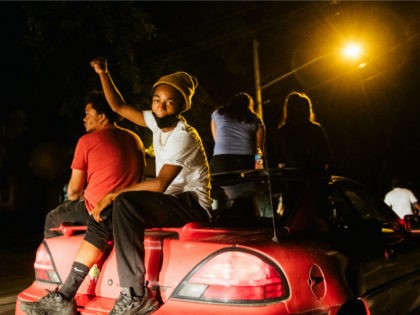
x=183, y=82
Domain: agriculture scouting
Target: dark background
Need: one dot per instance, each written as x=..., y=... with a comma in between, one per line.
x=371, y=115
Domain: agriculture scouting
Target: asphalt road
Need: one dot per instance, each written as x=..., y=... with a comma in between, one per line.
x=19, y=241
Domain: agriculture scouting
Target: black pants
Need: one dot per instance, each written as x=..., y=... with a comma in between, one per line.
x=132, y=213
x=73, y=212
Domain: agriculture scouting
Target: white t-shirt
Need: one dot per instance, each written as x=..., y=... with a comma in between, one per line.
x=401, y=201
x=182, y=146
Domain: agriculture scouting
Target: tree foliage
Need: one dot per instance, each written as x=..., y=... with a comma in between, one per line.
x=62, y=37
x=142, y=41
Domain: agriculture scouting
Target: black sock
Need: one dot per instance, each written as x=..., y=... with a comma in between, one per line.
x=75, y=278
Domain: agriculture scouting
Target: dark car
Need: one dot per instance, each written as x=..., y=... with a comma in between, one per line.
x=280, y=243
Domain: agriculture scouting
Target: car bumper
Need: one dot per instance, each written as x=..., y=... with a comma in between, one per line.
x=90, y=305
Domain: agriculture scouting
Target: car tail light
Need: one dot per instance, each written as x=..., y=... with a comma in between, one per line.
x=234, y=276
x=44, y=268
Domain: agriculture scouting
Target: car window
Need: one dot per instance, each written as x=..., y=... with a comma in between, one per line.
x=251, y=198
x=286, y=194
x=340, y=213
x=351, y=204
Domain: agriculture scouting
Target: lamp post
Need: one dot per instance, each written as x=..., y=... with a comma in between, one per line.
x=257, y=78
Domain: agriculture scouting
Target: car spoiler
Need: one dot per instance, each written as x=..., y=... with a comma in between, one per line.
x=69, y=230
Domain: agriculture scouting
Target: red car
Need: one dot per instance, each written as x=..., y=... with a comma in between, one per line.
x=280, y=243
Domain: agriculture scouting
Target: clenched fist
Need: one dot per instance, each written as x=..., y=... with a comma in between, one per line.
x=99, y=64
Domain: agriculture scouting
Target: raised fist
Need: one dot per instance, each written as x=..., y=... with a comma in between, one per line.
x=99, y=64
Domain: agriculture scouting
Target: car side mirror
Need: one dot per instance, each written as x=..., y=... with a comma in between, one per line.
x=412, y=223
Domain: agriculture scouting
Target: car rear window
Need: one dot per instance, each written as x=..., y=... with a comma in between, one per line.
x=251, y=198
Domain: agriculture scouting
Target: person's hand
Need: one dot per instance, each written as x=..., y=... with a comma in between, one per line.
x=101, y=205
x=99, y=64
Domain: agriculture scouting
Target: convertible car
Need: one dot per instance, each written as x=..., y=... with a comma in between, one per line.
x=280, y=243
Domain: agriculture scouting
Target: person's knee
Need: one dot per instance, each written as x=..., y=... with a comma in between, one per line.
x=51, y=214
x=122, y=205
x=128, y=200
x=50, y=219
x=119, y=200
x=130, y=205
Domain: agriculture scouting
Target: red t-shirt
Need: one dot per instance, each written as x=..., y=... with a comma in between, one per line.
x=112, y=158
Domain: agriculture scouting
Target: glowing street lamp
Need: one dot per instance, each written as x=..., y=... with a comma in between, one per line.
x=352, y=51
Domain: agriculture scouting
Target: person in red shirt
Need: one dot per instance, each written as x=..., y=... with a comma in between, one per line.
x=107, y=157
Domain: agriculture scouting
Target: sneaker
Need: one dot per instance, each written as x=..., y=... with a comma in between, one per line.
x=128, y=305
x=53, y=303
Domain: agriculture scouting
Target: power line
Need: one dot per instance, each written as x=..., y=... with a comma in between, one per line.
x=251, y=31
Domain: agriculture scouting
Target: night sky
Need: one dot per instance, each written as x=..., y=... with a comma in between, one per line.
x=371, y=114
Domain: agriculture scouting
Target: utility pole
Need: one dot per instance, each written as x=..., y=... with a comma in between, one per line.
x=257, y=79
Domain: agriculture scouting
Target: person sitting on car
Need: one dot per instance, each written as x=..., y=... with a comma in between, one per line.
x=180, y=193
x=108, y=157
x=105, y=158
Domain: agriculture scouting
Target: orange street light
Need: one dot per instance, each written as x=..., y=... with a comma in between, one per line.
x=352, y=51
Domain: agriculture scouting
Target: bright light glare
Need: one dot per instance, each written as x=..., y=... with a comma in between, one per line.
x=352, y=51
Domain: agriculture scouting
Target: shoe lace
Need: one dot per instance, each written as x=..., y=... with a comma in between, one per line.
x=123, y=302
x=53, y=295
x=37, y=308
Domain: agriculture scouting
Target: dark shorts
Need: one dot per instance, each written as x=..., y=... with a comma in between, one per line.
x=70, y=212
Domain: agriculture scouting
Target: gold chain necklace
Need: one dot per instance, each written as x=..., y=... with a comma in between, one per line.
x=163, y=142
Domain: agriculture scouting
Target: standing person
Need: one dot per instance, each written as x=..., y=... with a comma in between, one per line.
x=238, y=133
x=180, y=193
x=402, y=200
x=300, y=141
x=106, y=158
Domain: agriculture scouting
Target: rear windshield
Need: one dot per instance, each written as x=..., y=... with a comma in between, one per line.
x=252, y=198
